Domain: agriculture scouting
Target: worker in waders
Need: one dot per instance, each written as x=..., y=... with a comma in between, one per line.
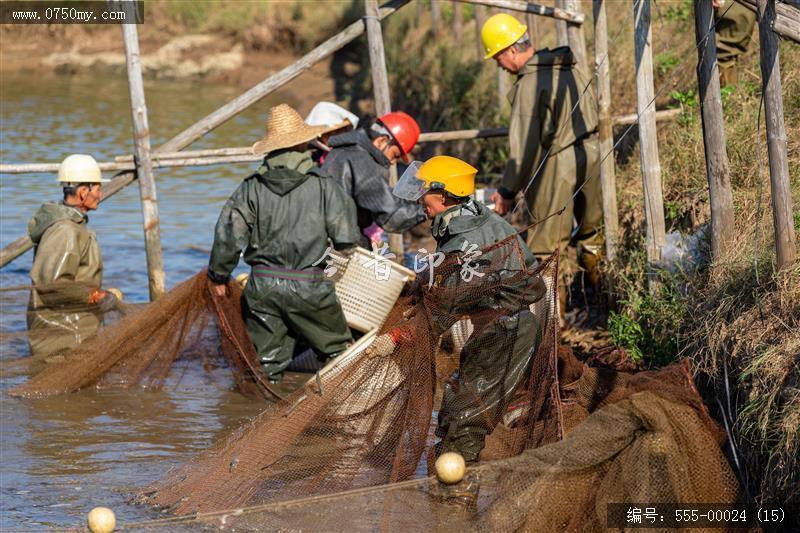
x=283, y=217
x=335, y=119
x=67, y=302
x=553, y=147
x=359, y=161
x=734, y=32
x=496, y=359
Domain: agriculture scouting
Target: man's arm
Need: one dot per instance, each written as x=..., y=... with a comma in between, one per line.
x=231, y=235
x=395, y=215
x=528, y=143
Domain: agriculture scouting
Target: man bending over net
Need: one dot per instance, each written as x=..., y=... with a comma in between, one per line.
x=483, y=275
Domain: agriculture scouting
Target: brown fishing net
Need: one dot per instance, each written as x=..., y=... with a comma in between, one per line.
x=368, y=420
x=642, y=438
x=141, y=350
x=473, y=360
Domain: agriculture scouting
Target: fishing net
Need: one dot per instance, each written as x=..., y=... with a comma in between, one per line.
x=470, y=349
x=186, y=324
x=641, y=438
x=367, y=420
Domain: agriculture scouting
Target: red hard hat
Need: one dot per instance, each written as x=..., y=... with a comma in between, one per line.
x=403, y=128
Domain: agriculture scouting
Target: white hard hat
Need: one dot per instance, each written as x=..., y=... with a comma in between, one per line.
x=332, y=116
x=80, y=168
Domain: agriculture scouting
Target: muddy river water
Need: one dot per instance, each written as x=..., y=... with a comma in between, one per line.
x=62, y=456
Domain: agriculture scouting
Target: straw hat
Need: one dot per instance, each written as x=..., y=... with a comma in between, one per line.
x=285, y=128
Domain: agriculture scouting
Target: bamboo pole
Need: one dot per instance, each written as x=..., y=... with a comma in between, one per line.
x=436, y=15
x=532, y=22
x=231, y=109
x=458, y=21
x=480, y=18
x=529, y=7
x=575, y=37
x=785, y=244
x=383, y=102
x=144, y=166
x=562, y=35
x=608, y=180
x=719, y=184
x=166, y=160
x=243, y=154
x=277, y=80
x=648, y=143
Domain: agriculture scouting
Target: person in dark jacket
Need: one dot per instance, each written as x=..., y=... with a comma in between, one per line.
x=496, y=359
x=283, y=217
x=359, y=161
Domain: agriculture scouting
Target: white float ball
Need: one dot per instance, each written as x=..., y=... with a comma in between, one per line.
x=450, y=468
x=101, y=520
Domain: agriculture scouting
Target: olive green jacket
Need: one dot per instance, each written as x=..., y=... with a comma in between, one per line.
x=542, y=100
x=282, y=216
x=67, y=267
x=468, y=229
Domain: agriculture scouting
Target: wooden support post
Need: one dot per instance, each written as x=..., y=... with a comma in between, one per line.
x=785, y=244
x=648, y=143
x=144, y=166
x=480, y=18
x=719, y=184
x=383, y=105
x=562, y=38
x=575, y=37
x=458, y=21
x=608, y=180
x=436, y=16
x=503, y=86
x=229, y=110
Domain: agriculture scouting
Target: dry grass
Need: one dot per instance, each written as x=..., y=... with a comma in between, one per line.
x=738, y=319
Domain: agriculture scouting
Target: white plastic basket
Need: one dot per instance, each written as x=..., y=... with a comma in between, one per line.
x=366, y=298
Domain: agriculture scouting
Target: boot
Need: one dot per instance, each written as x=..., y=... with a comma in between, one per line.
x=729, y=74
x=462, y=495
x=590, y=257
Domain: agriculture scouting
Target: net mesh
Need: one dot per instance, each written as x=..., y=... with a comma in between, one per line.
x=471, y=355
x=370, y=420
x=141, y=350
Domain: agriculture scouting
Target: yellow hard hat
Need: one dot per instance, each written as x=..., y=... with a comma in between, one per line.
x=499, y=32
x=448, y=173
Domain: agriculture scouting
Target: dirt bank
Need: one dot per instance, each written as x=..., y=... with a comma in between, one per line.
x=210, y=58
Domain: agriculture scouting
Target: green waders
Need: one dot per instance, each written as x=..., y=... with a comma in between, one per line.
x=494, y=364
x=734, y=33
x=282, y=305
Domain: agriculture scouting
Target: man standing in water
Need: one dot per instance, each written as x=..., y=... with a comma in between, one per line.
x=66, y=302
x=283, y=216
x=553, y=143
